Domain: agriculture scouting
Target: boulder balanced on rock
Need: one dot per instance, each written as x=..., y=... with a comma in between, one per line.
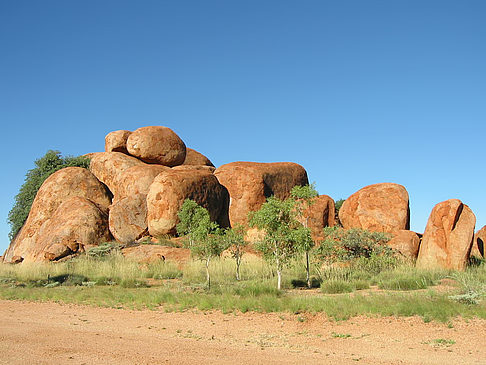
x=379, y=207
x=448, y=236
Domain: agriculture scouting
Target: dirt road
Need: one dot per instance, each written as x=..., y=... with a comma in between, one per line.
x=51, y=333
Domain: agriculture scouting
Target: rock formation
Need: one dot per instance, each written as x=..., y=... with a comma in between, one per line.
x=156, y=144
x=406, y=243
x=170, y=189
x=195, y=158
x=251, y=183
x=319, y=214
x=117, y=141
x=58, y=188
x=479, y=243
x=448, y=236
x=379, y=207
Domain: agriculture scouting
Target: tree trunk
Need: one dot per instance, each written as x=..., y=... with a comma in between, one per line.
x=279, y=279
x=238, y=262
x=208, y=277
x=307, y=267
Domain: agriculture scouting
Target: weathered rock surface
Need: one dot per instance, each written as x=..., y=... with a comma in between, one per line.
x=59, y=187
x=128, y=218
x=448, y=236
x=152, y=253
x=209, y=169
x=478, y=244
x=157, y=144
x=319, y=214
x=109, y=167
x=137, y=179
x=77, y=224
x=117, y=141
x=251, y=183
x=196, y=158
x=380, y=207
x=406, y=243
x=169, y=190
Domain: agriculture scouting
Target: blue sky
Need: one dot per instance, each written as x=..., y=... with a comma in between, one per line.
x=358, y=92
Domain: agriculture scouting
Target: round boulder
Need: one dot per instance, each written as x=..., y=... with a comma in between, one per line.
x=478, y=244
x=379, y=207
x=195, y=158
x=405, y=243
x=169, y=190
x=137, y=179
x=60, y=186
x=448, y=236
x=128, y=218
x=117, y=141
x=157, y=144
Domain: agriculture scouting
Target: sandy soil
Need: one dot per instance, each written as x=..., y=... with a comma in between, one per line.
x=51, y=333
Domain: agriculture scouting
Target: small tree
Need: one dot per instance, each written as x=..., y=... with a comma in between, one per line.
x=51, y=162
x=282, y=231
x=204, y=236
x=304, y=197
x=235, y=241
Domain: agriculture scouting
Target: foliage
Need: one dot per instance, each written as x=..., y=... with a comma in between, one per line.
x=338, y=204
x=103, y=249
x=51, y=162
x=283, y=233
x=235, y=242
x=204, y=236
x=351, y=244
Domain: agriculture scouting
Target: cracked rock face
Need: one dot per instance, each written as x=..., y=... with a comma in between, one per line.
x=448, y=237
x=479, y=243
x=380, y=207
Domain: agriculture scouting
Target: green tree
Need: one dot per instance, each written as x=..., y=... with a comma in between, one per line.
x=282, y=232
x=204, y=236
x=235, y=241
x=304, y=197
x=51, y=162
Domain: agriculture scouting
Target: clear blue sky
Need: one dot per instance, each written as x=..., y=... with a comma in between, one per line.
x=358, y=92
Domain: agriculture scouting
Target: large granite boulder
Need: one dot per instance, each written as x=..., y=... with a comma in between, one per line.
x=128, y=218
x=60, y=186
x=379, y=207
x=169, y=190
x=117, y=141
x=76, y=225
x=319, y=214
x=251, y=183
x=109, y=167
x=152, y=253
x=448, y=236
x=137, y=179
x=196, y=158
x=157, y=144
x=478, y=244
x=406, y=243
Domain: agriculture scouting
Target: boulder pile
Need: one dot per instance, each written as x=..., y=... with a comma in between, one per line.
x=134, y=190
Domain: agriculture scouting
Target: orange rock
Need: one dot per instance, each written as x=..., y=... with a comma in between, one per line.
x=152, y=253
x=76, y=223
x=379, y=207
x=128, y=218
x=195, y=158
x=137, y=179
x=406, y=243
x=158, y=145
x=251, y=183
x=117, y=141
x=169, y=190
x=478, y=244
x=60, y=186
x=109, y=167
x=319, y=214
x=448, y=236
x=209, y=169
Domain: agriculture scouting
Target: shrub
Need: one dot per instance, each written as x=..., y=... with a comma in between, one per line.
x=336, y=287
x=45, y=166
x=349, y=244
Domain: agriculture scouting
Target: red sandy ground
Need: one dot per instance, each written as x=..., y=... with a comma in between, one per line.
x=51, y=333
